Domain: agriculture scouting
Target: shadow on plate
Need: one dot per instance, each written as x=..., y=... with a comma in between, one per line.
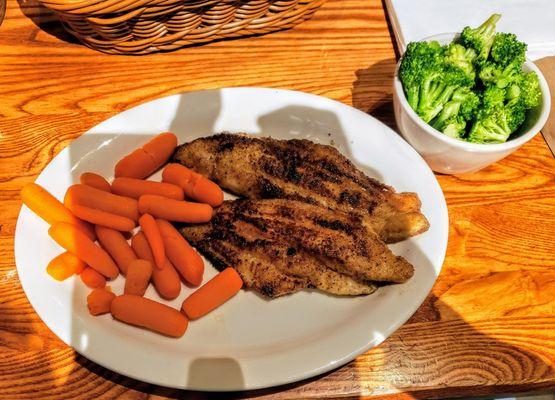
x=192, y=120
x=202, y=120
x=320, y=126
x=416, y=361
x=290, y=122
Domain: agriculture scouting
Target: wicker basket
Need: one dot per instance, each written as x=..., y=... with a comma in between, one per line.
x=146, y=26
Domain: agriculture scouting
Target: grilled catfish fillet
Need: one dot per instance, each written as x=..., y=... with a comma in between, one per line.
x=261, y=168
x=280, y=246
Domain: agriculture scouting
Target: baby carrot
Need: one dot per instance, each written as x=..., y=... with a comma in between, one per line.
x=95, y=180
x=177, y=174
x=138, y=276
x=152, y=233
x=195, y=186
x=186, y=260
x=135, y=188
x=64, y=265
x=144, y=161
x=103, y=218
x=174, y=210
x=149, y=314
x=115, y=244
x=76, y=242
x=205, y=191
x=91, y=197
x=99, y=301
x=51, y=209
x=92, y=279
x=212, y=294
x=166, y=281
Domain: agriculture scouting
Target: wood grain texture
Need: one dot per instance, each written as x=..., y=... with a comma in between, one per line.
x=487, y=327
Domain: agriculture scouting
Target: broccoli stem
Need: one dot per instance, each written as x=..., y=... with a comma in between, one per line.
x=489, y=24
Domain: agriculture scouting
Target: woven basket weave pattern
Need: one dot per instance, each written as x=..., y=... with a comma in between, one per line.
x=146, y=26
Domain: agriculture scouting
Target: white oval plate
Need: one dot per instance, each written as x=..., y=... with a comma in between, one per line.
x=249, y=342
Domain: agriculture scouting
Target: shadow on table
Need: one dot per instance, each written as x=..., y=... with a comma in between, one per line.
x=461, y=361
x=45, y=20
x=454, y=357
x=390, y=31
x=372, y=93
x=408, y=359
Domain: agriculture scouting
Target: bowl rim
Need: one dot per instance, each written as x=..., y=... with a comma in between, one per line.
x=444, y=38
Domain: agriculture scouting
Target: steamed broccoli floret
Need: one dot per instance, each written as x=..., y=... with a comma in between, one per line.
x=428, y=80
x=473, y=89
x=495, y=74
x=506, y=49
x=456, y=112
x=529, y=90
x=461, y=57
x=454, y=127
x=523, y=95
x=491, y=126
x=448, y=113
x=493, y=96
x=504, y=67
x=517, y=116
x=420, y=60
x=438, y=89
x=503, y=111
x=469, y=102
x=480, y=38
x=497, y=117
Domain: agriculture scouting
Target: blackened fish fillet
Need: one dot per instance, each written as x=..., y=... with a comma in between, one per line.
x=261, y=168
x=281, y=246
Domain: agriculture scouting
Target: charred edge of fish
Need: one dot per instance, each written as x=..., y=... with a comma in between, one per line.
x=267, y=289
x=217, y=261
x=226, y=145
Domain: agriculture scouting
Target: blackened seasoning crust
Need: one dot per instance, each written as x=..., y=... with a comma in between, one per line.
x=265, y=168
x=282, y=246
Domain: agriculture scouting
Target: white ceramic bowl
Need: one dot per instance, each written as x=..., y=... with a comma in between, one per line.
x=452, y=156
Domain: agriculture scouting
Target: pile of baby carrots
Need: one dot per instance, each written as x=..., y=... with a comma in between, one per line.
x=96, y=219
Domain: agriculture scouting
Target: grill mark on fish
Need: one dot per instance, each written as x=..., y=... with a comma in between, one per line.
x=334, y=225
x=334, y=238
x=270, y=268
x=325, y=279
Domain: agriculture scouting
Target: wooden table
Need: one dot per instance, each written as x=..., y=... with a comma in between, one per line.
x=487, y=327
